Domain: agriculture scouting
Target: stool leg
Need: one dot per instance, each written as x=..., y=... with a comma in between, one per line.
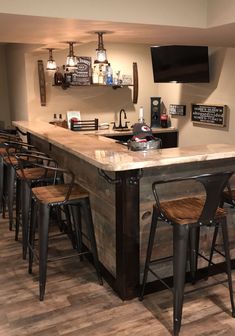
x=25, y=206
x=212, y=249
x=68, y=227
x=76, y=215
x=32, y=230
x=18, y=206
x=43, y=227
x=10, y=194
x=4, y=192
x=91, y=234
x=149, y=251
x=194, y=234
x=228, y=262
x=1, y=181
x=180, y=243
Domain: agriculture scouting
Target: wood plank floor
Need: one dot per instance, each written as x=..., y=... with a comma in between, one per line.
x=75, y=305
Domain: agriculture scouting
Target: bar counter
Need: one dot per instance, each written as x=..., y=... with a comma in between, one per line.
x=119, y=182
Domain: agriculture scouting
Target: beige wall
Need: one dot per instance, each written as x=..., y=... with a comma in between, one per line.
x=16, y=69
x=5, y=118
x=105, y=103
x=220, y=90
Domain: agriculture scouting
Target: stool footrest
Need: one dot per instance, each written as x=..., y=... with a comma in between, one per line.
x=158, y=261
x=160, y=279
x=215, y=283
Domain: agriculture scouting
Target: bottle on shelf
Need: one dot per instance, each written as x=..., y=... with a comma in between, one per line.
x=101, y=77
x=109, y=75
x=95, y=75
x=141, y=115
x=67, y=76
x=55, y=119
x=58, y=77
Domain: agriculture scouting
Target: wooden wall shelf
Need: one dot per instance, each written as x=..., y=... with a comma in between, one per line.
x=135, y=85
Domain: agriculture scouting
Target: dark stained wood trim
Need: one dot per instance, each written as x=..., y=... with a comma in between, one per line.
x=135, y=83
x=127, y=234
x=42, y=84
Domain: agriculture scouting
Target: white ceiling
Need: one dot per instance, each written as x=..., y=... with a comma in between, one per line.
x=51, y=32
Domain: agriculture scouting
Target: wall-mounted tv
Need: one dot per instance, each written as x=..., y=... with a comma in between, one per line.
x=181, y=64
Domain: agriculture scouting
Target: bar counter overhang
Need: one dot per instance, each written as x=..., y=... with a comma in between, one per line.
x=119, y=182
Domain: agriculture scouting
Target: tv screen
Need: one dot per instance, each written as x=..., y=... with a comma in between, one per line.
x=181, y=64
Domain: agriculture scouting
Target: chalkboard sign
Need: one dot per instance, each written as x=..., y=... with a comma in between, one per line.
x=214, y=115
x=177, y=109
x=82, y=75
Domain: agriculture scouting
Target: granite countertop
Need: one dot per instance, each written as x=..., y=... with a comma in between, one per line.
x=109, y=155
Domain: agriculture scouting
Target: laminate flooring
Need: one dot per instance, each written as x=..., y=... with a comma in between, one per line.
x=76, y=305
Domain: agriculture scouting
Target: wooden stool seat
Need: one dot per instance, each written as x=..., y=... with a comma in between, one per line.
x=3, y=151
x=186, y=210
x=33, y=173
x=10, y=160
x=55, y=194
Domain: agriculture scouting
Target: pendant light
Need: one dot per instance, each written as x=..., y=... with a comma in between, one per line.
x=71, y=60
x=51, y=64
x=101, y=56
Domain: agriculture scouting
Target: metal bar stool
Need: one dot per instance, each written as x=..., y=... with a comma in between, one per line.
x=4, y=136
x=50, y=197
x=28, y=177
x=187, y=215
x=10, y=166
x=228, y=196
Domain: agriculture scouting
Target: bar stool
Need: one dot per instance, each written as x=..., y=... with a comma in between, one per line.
x=4, y=136
x=10, y=166
x=228, y=197
x=187, y=215
x=50, y=197
x=26, y=178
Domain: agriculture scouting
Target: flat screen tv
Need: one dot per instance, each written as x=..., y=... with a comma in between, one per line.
x=181, y=64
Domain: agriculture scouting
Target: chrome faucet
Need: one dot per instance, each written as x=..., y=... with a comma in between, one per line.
x=120, y=118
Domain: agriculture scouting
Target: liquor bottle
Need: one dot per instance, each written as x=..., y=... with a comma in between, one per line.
x=58, y=77
x=95, y=75
x=109, y=75
x=101, y=77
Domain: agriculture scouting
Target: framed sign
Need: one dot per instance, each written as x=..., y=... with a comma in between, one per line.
x=213, y=115
x=82, y=74
x=177, y=109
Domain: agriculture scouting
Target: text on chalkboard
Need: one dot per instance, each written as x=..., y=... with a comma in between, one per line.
x=209, y=114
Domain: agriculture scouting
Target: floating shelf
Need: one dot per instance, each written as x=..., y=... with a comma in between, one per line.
x=135, y=85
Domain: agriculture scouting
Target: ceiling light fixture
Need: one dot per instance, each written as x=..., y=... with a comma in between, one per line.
x=71, y=60
x=51, y=64
x=101, y=56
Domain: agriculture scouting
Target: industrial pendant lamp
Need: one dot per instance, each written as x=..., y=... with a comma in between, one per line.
x=101, y=56
x=71, y=60
x=51, y=64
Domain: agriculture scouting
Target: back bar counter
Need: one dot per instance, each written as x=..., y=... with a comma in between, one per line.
x=119, y=182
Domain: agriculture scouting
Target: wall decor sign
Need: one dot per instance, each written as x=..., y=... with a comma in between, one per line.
x=176, y=109
x=213, y=115
x=82, y=74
